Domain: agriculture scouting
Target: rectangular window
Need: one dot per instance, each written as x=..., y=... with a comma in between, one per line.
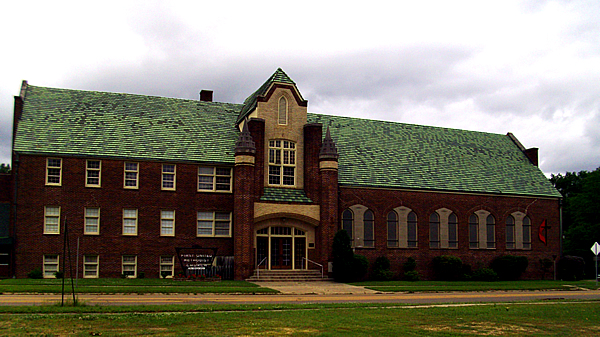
x=131, y=175
x=92, y=173
x=510, y=233
x=92, y=221
x=392, y=230
x=4, y=259
x=168, y=177
x=129, y=221
x=166, y=266
x=282, y=162
x=52, y=220
x=53, y=171
x=473, y=231
x=452, y=231
x=50, y=266
x=90, y=266
x=167, y=223
x=526, y=233
x=216, y=179
x=214, y=224
x=129, y=266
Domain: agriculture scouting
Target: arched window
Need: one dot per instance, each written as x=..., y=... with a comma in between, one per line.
x=348, y=223
x=368, y=223
x=510, y=232
x=283, y=111
x=412, y=229
x=452, y=231
x=392, y=229
x=473, y=231
x=526, y=233
x=434, y=230
x=491, y=231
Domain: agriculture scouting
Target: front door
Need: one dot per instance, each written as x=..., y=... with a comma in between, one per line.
x=280, y=247
x=281, y=253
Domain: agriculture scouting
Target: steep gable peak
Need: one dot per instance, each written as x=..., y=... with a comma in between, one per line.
x=278, y=79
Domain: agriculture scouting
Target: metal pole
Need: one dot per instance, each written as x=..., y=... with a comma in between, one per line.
x=77, y=265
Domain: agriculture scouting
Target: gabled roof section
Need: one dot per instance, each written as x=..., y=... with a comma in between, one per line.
x=396, y=155
x=279, y=77
x=114, y=125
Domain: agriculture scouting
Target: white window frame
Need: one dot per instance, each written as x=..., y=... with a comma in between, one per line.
x=93, y=170
x=129, y=263
x=211, y=219
x=167, y=223
x=167, y=263
x=281, y=156
x=129, y=170
x=54, y=175
x=88, y=219
x=91, y=267
x=169, y=177
x=215, y=179
x=50, y=266
x=48, y=216
x=128, y=220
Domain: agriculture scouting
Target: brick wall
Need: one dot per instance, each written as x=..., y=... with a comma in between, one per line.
x=110, y=244
x=382, y=201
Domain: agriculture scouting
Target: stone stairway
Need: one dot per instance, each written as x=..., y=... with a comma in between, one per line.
x=287, y=276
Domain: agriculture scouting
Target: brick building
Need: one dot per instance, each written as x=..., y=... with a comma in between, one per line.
x=264, y=182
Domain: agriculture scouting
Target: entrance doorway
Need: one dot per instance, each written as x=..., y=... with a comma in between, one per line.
x=279, y=247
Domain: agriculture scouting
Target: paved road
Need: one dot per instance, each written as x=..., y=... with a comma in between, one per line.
x=415, y=298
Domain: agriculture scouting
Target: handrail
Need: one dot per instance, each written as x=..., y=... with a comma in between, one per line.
x=258, y=267
x=318, y=264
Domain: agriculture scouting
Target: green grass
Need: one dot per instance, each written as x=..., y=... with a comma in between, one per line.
x=140, y=286
x=524, y=319
x=443, y=286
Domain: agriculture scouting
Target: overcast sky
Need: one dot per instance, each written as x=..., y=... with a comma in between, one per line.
x=527, y=67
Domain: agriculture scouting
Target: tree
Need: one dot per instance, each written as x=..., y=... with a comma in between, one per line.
x=581, y=212
x=4, y=168
x=343, y=257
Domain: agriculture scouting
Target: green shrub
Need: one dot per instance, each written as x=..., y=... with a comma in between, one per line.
x=59, y=274
x=165, y=274
x=343, y=257
x=571, y=268
x=412, y=275
x=381, y=269
x=36, y=273
x=360, y=266
x=484, y=274
x=141, y=275
x=509, y=267
x=409, y=265
x=447, y=268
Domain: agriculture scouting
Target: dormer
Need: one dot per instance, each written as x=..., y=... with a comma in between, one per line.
x=279, y=103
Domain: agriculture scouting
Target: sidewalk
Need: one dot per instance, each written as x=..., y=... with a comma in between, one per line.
x=316, y=288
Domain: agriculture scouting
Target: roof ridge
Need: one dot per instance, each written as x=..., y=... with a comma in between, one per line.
x=250, y=103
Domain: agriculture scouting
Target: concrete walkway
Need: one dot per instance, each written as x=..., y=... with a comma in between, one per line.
x=316, y=288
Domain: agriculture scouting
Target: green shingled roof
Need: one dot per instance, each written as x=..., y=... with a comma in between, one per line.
x=284, y=194
x=396, y=155
x=89, y=123
x=372, y=153
x=252, y=101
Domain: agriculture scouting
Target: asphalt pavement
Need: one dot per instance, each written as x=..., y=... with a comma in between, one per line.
x=306, y=292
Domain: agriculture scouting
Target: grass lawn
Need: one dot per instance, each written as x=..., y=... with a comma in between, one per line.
x=140, y=286
x=442, y=286
x=524, y=319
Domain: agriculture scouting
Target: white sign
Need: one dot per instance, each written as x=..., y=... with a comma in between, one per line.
x=596, y=248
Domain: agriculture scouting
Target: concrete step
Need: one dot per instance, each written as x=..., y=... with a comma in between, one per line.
x=287, y=276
